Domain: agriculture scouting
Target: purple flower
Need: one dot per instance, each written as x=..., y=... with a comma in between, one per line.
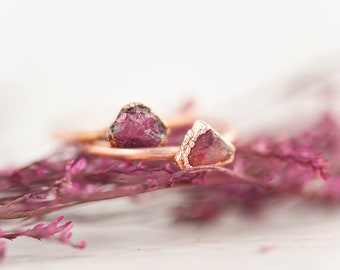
x=52, y=230
x=263, y=167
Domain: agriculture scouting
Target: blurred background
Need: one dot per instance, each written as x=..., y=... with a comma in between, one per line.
x=62, y=57
x=233, y=58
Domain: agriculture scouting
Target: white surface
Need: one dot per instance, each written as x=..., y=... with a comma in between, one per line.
x=61, y=57
x=122, y=235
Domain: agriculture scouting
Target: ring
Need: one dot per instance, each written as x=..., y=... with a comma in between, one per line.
x=202, y=145
x=136, y=126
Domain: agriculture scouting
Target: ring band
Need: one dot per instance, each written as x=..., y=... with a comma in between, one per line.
x=202, y=145
x=139, y=134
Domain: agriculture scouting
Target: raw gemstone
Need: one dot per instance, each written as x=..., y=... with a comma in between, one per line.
x=209, y=149
x=137, y=127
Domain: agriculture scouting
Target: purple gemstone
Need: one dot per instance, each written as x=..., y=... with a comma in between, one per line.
x=137, y=126
x=209, y=148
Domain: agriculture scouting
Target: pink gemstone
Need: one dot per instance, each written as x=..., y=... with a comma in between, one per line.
x=137, y=127
x=209, y=149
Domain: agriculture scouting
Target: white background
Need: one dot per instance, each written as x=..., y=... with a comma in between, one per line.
x=59, y=58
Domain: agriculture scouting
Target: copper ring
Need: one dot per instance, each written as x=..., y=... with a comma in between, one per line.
x=201, y=146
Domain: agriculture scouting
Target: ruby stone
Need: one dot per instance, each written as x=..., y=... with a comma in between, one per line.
x=138, y=127
x=209, y=149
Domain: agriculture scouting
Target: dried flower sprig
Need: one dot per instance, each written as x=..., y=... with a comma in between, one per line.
x=52, y=230
x=262, y=168
x=279, y=168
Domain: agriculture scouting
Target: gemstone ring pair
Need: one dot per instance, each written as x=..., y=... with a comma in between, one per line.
x=139, y=134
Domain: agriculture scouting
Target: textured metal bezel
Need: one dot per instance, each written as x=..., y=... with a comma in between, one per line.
x=199, y=128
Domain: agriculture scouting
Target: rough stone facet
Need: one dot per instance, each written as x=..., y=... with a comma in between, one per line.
x=137, y=126
x=209, y=149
